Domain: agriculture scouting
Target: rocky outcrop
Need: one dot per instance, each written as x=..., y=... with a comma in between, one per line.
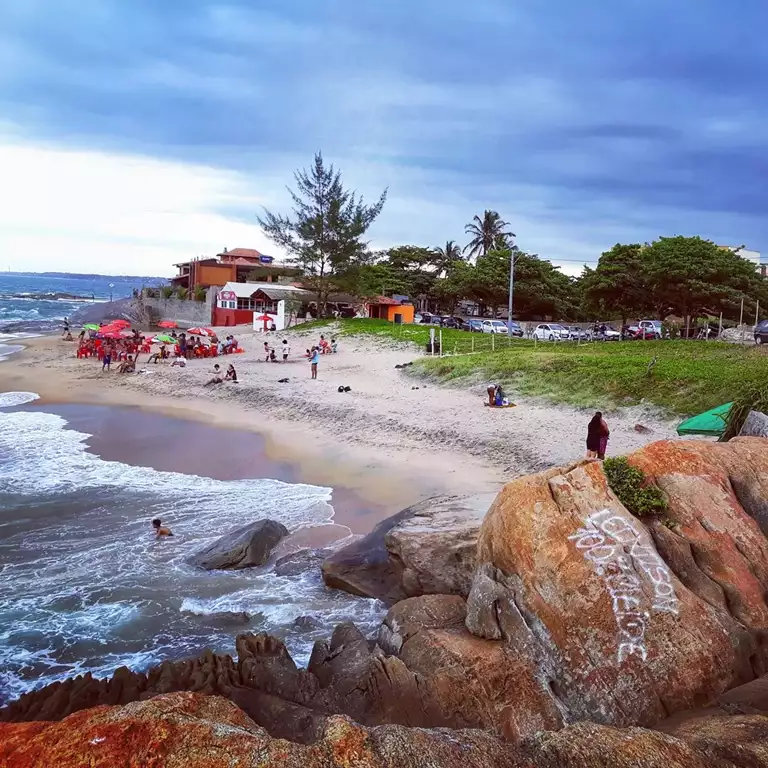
x=755, y=425
x=245, y=547
x=300, y=561
x=576, y=611
x=195, y=731
x=428, y=548
x=572, y=583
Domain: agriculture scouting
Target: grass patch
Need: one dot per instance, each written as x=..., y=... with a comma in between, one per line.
x=629, y=485
x=687, y=378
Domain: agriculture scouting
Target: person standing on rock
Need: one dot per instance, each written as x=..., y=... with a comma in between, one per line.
x=597, y=437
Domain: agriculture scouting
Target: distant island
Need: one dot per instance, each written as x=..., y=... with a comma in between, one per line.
x=87, y=276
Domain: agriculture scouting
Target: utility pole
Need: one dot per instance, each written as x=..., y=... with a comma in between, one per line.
x=511, y=289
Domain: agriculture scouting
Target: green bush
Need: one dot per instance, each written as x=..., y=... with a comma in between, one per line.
x=629, y=484
x=167, y=292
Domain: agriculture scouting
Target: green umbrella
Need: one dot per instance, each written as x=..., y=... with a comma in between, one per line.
x=165, y=339
x=712, y=422
x=91, y=327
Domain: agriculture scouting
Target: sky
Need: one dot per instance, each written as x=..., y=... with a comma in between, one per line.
x=134, y=135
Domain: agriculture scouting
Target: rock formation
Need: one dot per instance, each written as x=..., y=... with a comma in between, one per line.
x=428, y=548
x=245, y=547
x=568, y=621
x=194, y=731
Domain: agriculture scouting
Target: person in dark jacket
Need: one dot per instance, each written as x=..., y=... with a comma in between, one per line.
x=597, y=437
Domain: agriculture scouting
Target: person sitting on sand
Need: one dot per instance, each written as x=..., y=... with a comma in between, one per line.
x=81, y=337
x=161, y=355
x=179, y=361
x=334, y=346
x=216, y=376
x=127, y=366
x=68, y=336
x=272, y=356
x=496, y=396
x=160, y=530
x=231, y=374
x=266, y=351
x=323, y=347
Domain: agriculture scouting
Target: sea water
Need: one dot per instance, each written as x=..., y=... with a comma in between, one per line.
x=85, y=586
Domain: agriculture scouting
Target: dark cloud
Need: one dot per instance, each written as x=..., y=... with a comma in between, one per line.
x=646, y=109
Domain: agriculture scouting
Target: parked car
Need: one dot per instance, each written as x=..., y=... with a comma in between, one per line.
x=646, y=329
x=575, y=333
x=551, y=332
x=761, y=332
x=610, y=334
x=494, y=326
x=515, y=330
x=452, y=322
x=475, y=326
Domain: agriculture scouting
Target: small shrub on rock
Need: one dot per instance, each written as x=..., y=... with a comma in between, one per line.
x=632, y=489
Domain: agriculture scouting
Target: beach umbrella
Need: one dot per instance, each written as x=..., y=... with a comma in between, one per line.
x=163, y=339
x=120, y=324
x=113, y=334
x=712, y=422
x=167, y=324
x=265, y=319
x=91, y=327
x=200, y=332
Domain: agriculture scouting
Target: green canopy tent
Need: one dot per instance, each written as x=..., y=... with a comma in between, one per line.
x=712, y=422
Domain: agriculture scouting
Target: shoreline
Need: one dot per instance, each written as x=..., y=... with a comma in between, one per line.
x=393, y=440
x=47, y=366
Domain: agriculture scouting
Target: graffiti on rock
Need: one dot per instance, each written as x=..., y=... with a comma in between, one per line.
x=615, y=547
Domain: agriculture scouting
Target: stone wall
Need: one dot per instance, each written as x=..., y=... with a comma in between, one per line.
x=184, y=312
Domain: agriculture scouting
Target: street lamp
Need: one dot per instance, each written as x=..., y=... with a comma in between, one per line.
x=111, y=286
x=512, y=251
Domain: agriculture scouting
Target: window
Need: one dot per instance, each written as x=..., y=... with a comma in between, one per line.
x=245, y=303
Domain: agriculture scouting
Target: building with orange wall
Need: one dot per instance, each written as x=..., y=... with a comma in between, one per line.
x=386, y=308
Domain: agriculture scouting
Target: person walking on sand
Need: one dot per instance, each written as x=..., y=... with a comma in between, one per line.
x=106, y=361
x=314, y=360
x=286, y=350
x=597, y=437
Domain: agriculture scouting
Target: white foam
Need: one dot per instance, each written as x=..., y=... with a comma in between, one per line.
x=76, y=594
x=10, y=399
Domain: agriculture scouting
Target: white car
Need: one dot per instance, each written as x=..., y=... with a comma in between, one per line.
x=551, y=332
x=494, y=326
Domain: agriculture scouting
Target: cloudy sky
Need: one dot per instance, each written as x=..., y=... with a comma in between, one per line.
x=134, y=134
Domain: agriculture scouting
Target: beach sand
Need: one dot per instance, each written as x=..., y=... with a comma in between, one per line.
x=388, y=443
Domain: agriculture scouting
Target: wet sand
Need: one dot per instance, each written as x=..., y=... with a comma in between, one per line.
x=142, y=438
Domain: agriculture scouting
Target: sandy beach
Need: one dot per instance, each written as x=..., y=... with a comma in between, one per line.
x=386, y=439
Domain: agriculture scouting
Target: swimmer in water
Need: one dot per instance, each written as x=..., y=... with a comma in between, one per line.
x=160, y=530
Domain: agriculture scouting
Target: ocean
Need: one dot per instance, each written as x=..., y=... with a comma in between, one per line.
x=85, y=586
x=29, y=304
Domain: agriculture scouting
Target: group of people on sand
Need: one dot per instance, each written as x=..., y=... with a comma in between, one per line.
x=270, y=354
x=230, y=375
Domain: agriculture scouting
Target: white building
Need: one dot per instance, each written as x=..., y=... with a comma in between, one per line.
x=760, y=261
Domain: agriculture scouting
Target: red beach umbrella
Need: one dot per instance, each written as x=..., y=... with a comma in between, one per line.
x=200, y=332
x=167, y=324
x=266, y=319
x=120, y=324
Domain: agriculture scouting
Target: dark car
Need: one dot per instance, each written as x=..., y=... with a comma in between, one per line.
x=426, y=318
x=452, y=322
x=761, y=332
x=515, y=329
x=475, y=326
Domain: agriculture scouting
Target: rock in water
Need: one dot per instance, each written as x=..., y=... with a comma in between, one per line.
x=244, y=547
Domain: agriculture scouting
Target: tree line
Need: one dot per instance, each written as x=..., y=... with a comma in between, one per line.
x=684, y=276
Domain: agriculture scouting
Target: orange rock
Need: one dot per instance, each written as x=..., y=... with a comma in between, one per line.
x=572, y=582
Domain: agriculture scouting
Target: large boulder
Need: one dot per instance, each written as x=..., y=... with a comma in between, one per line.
x=435, y=547
x=711, y=537
x=574, y=587
x=196, y=731
x=428, y=548
x=245, y=547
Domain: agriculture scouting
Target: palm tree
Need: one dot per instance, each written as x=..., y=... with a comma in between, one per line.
x=487, y=233
x=446, y=256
